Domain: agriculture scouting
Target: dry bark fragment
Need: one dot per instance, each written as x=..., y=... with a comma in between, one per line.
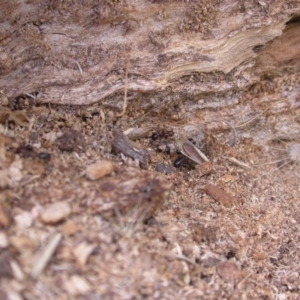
x=82, y=252
x=120, y=143
x=17, y=271
x=160, y=41
x=139, y=133
x=219, y=195
x=4, y=219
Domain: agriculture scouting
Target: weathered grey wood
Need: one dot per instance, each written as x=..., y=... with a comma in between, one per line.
x=78, y=53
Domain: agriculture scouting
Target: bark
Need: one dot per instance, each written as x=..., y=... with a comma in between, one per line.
x=80, y=53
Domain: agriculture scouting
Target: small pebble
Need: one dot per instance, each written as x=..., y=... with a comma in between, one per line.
x=99, y=170
x=55, y=213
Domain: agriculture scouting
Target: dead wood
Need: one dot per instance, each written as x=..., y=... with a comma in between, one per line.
x=61, y=52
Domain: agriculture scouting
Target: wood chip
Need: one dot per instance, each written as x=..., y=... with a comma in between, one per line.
x=55, y=213
x=219, y=195
x=138, y=133
x=3, y=240
x=43, y=257
x=77, y=285
x=210, y=259
x=82, y=252
x=99, y=170
x=3, y=179
x=17, y=271
x=4, y=219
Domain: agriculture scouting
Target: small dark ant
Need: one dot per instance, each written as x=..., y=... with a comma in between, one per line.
x=26, y=151
x=192, y=141
x=178, y=162
x=163, y=140
x=44, y=156
x=163, y=133
x=154, y=136
x=183, y=162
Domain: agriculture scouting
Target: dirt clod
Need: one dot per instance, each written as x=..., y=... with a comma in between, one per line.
x=72, y=140
x=230, y=271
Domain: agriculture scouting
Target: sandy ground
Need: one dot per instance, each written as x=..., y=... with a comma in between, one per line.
x=85, y=216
